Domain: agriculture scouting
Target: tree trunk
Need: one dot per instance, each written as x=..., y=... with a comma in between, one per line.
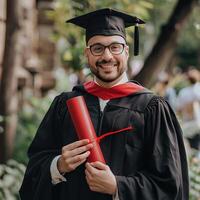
x=166, y=43
x=8, y=85
x=2, y=30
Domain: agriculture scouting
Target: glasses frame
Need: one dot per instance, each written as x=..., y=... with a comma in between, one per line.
x=106, y=46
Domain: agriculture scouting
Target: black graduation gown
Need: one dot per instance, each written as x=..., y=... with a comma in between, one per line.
x=149, y=162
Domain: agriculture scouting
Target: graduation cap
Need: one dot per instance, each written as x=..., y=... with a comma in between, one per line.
x=108, y=22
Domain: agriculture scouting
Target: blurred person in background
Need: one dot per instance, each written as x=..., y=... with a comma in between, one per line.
x=164, y=89
x=188, y=105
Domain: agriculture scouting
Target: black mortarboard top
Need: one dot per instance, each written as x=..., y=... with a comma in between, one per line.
x=108, y=22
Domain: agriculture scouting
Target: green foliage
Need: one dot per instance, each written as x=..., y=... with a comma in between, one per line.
x=28, y=122
x=189, y=42
x=11, y=175
x=189, y=39
x=189, y=56
x=194, y=172
x=74, y=57
x=32, y=114
x=160, y=14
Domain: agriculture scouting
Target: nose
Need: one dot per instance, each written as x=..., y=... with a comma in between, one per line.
x=107, y=54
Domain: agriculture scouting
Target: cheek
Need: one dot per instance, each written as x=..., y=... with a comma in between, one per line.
x=91, y=60
x=124, y=59
x=126, y=55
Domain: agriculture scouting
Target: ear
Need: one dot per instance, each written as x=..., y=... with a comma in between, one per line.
x=86, y=52
x=127, y=51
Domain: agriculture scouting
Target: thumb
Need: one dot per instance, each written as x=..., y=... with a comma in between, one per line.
x=99, y=165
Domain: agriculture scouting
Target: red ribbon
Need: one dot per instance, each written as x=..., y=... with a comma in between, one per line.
x=112, y=133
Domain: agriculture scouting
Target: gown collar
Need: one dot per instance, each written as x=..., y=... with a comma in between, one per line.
x=117, y=91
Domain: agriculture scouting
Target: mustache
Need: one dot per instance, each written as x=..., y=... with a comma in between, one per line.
x=105, y=62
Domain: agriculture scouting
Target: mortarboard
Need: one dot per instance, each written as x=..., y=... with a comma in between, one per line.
x=108, y=22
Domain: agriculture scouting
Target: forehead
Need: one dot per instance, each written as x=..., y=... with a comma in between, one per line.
x=106, y=39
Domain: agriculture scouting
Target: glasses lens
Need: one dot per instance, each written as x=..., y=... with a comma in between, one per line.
x=97, y=49
x=116, y=48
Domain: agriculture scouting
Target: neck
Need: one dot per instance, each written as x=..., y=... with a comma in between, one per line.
x=122, y=79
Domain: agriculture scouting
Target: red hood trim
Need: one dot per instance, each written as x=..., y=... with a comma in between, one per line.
x=114, y=92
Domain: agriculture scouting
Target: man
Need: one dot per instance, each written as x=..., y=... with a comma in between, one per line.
x=145, y=163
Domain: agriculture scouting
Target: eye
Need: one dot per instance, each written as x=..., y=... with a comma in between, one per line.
x=116, y=47
x=97, y=48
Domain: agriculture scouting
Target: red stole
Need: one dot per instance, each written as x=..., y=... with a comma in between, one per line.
x=114, y=92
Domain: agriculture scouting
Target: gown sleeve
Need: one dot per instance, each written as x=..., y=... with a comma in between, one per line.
x=165, y=175
x=37, y=182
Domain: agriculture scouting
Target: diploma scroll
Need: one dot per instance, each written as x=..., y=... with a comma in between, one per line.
x=84, y=127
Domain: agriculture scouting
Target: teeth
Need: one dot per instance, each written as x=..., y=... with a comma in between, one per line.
x=107, y=66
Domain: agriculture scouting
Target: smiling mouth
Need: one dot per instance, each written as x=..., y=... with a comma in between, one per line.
x=107, y=65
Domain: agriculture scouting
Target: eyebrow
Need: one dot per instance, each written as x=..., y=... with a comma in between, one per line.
x=108, y=44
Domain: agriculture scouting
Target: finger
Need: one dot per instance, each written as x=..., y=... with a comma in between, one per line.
x=78, y=158
x=91, y=169
x=80, y=150
x=94, y=188
x=76, y=144
x=88, y=175
x=99, y=165
x=90, y=182
x=73, y=166
x=79, y=163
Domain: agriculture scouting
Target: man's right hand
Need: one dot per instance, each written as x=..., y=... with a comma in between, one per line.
x=73, y=155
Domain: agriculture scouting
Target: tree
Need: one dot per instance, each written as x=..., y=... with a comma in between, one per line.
x=166, y=43
x=8, y=83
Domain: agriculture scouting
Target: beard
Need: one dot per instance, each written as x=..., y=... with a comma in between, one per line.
x=107, y=77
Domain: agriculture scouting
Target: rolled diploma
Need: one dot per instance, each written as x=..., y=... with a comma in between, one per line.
x=84, y=127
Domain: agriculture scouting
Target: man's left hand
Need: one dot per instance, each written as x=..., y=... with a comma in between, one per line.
x=100, y=178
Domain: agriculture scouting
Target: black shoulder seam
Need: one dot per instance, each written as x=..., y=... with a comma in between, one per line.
x=138, y=102
x=154, y=101
x=78, y=88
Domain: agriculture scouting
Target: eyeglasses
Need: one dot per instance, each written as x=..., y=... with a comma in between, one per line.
x=114, y=48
